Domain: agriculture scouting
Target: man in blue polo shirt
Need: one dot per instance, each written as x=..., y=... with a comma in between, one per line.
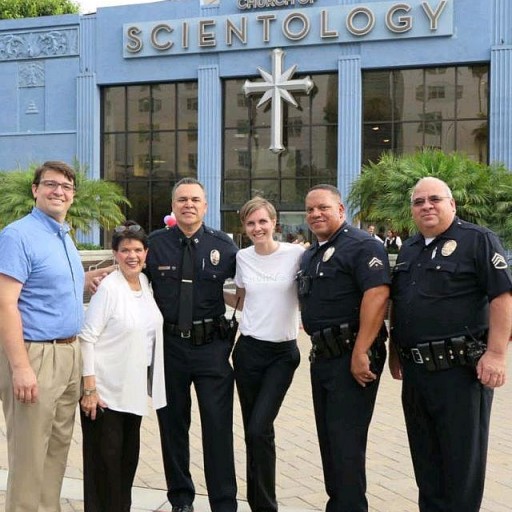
x=41, y=290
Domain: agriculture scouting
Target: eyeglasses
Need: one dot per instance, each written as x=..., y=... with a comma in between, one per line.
x=54, y=185
x=420, y=201
x=134, y=228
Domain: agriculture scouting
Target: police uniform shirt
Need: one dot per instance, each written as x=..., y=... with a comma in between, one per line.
x=214, y=262
x=340, y=271
x=443, y=289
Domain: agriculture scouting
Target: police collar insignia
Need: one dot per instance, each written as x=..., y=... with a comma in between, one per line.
x=375, y=263
x=449, y=247
x=215, y=257
x=499, y=262
x=328, y=253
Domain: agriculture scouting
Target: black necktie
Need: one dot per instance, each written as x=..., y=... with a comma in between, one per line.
x=186, y=289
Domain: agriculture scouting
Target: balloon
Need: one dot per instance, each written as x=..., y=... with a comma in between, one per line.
x=170, y=220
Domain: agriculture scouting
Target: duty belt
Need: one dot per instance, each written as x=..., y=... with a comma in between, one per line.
x=332, y=342
x=202, y=331
x=444, y=354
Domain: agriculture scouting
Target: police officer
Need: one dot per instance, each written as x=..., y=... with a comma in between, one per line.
x=343, y=292
x=198, y=353
x=452, y=304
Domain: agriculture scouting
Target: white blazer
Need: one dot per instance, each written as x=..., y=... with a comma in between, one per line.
x=114, y=346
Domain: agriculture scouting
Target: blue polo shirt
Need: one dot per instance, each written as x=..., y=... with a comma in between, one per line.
x=38, y=252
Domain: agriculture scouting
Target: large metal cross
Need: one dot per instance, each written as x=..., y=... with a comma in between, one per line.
x=276, y=87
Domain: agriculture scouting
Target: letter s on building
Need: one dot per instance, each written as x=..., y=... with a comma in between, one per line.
x=134, y=44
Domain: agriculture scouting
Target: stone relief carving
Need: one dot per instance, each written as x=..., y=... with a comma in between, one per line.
x=33, y=45
x=31, y=74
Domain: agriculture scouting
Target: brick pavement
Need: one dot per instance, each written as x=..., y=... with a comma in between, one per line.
x=391, y=486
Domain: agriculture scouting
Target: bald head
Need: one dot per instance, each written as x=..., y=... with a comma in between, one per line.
x=432, y=206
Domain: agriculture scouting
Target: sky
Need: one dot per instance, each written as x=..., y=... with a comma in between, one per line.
x=88, y=6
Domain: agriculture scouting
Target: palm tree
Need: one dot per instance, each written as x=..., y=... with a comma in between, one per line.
x=96, y=201
x=483, y=193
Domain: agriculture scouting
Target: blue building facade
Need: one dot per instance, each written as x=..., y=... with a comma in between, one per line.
x=254, y=96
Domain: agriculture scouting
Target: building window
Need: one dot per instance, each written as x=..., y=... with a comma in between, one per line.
x=149, y=141
x=249, y=168
x=445, y=108
x=192, y=104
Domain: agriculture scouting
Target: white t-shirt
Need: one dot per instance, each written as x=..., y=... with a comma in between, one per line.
x=271, y=311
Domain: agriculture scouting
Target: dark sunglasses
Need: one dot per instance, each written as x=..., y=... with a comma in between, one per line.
x=134, y=228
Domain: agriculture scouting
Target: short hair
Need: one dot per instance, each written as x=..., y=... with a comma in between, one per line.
x=330, y=188
x=186, y=181
x=448, y=191
x=57, y=166
x=255, y=204
x=119, y=235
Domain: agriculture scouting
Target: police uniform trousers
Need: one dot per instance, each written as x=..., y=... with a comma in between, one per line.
x=208, y=368
x=343, y=411
x=263, y=373
x=111, y=445
x=39, y=434
x=447, y=416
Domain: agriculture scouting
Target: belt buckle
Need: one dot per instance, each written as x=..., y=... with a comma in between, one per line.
x=416, y=356
x=186, y=335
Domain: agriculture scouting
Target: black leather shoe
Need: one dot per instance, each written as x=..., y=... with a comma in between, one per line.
x=183, y=508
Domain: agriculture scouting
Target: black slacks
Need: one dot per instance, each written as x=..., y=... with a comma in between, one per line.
x=447, y=416
x=343, y=411
x=263, y=373
x=208, y=368
x=111, y=445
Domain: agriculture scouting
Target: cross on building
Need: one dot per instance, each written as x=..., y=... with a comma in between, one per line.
x=276, y=88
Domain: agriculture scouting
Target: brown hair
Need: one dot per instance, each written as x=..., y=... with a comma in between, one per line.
x=255, y=204
x=119, y=234
x=57, y=166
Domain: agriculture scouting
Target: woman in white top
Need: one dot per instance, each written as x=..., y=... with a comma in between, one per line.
x=392, y=242
x=265, y=356
x=122, y=349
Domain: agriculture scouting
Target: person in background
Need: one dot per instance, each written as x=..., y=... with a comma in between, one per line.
x=188, y=265
x=392, y=242
x=373, y=233
x=266, y=355
x=41, y=292
x=343, y=287
x=450, y=327
x=122, y=349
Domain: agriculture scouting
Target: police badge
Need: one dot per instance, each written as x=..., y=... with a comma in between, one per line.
x=449, y=247
x=215, y=257
x=327, y=254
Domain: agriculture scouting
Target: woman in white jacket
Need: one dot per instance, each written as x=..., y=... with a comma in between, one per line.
x=122, y=349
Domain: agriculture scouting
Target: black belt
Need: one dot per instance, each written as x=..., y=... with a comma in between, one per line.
x=338, y=340
x=202, y=331
x=332, y=342
x=444, y=354
x=64, y=341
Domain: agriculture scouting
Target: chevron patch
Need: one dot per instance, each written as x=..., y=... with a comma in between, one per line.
x=375, y=263
x=499, y=262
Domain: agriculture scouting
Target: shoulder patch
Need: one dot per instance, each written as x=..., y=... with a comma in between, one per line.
x=499, y=262
x=375, y=263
